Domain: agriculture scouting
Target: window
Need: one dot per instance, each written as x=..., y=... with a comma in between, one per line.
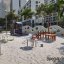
x=24, y=23
x=36, y=28
x=32, y=30
x=36, y=6
x=27, y=23
x=54, y=18
x=50, y=18
x=38, y=24
x=36, y=2
x=30, y=1
x=32, y=23
x=27, y=4
x=30, y=6
x=39, y=1
x=27, y=27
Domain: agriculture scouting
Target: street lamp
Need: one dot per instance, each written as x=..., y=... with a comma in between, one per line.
x=6, y=20
x=0, y=47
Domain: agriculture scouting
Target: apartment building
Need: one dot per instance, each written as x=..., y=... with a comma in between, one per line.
x=17, y=5
x=7, y=4
x=34, y=4
x=49, y=1
x=2, y=9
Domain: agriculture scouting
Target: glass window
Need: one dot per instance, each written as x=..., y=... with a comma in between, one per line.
x=39, y=1
x=30, y=5
x=27, y=27
x=36, y=6
x=51, y=18
x=32, y=23
x=36, y=28
x=24, y=23
x=38, y=24
x=32, y=30
x=36, y=2
x=28, y=22
x=54, y=18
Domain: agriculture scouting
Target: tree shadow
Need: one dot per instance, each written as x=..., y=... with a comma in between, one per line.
x=19, y=35
x=62, y=43
x=61, y=50
x=60, y=61
x=26, y=48
x=47, y=41
x=61, y=36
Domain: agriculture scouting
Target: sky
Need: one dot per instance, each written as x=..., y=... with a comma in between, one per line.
x=16, y=4
x=0, y=0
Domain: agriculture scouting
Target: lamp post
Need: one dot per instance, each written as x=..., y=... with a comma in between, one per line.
x=6, y=25
x=6, y=21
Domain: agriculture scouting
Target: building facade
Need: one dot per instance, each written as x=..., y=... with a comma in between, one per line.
x=7, y=4
x=49, y=1
x=17, y=5
x=2, y=9
x=34, y=4
x=10, y=5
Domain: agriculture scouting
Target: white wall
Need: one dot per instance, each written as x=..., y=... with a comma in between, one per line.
x=7, y=4
x=33, y=30
x=33, y=4
x=16, y=5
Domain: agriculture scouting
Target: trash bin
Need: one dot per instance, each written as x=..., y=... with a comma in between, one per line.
x=41, y=45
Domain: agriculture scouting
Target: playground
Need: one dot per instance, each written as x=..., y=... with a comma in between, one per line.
x=17, y=51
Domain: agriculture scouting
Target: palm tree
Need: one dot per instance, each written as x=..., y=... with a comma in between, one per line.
x=47, y=9
x=11, y=15
x=40, y=10
x=27, y=13
x=62, y=22
x=59, y=8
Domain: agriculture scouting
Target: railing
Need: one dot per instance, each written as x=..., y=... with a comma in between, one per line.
x=40, y=35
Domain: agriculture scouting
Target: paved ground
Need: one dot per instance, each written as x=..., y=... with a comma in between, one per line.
x=15, y=52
